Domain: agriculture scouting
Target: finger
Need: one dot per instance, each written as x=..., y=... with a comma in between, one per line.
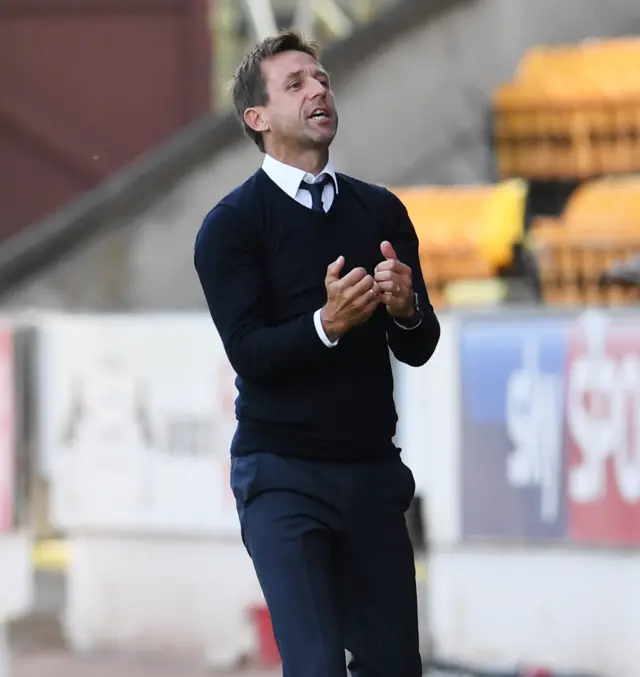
x=393, y=266
x=370, y=307
x=387, y=264
x=392, y=287
x=392, y=300
x=397, y=298
x=334, y=269
x=362, y=287
x=372, y=295
x=352, y=278
x=387, y=250
x=386, y=276
x=367, y=303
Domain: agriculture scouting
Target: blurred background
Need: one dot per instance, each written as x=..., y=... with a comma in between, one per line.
x=511, y=131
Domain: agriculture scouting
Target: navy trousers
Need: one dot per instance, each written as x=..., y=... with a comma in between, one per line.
x=331, y=550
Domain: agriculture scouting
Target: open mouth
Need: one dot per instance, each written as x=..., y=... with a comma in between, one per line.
x=320, y=114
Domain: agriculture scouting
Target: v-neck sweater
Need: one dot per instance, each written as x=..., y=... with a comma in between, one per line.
x=262, y=260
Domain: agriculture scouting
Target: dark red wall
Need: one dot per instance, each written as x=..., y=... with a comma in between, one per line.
x=85, y=87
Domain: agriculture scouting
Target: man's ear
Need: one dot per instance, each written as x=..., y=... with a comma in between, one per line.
x=255, y=119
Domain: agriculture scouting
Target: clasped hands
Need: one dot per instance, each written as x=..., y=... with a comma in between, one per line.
x=352, y=299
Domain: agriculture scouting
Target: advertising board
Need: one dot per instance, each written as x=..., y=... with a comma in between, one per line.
x=136, y=419
x=550, y=428
x=7, y=431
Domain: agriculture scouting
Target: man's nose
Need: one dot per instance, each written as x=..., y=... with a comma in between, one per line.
x=315, y=87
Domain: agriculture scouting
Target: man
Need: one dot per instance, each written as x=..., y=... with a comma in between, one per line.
x=310, y=277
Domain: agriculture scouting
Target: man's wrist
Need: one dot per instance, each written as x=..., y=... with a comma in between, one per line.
x=411, y=317
x=408, y=313
x=322, y=334
x=331, y=330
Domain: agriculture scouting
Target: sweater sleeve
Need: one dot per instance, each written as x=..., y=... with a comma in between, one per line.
x=413, y=346
x=228, y=263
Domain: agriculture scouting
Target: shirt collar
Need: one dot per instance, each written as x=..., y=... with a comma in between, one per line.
x=289, y=178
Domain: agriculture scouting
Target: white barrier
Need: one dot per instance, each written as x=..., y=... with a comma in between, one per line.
x=571, y=610
x=7, y=431
x=427, y=433
x=136, y=420
x=16, y=583
x=522, y=433
x=543, y=483
x=16, y=590
x=5, y=658
x=136, y=417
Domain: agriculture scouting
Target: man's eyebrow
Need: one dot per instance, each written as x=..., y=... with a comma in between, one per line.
x=296, y=74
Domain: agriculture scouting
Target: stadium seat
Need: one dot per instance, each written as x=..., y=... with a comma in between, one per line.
x=571, y=112
x=599, y=228
x=466, y=233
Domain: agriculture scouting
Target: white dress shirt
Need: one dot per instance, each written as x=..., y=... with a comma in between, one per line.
x=289, y=178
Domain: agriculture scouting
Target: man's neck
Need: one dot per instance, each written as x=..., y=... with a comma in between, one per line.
x=312, y=161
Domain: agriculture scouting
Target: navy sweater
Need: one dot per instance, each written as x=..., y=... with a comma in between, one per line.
x=262, y=259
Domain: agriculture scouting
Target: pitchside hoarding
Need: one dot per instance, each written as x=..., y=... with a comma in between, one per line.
x=135, y=423
x=550, y=428
x=7, y=431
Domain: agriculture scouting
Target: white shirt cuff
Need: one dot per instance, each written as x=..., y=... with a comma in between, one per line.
x=317, y=321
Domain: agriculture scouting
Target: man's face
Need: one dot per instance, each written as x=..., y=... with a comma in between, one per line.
x=301, y=109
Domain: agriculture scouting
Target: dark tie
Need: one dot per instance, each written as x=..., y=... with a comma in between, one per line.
x=316, y=190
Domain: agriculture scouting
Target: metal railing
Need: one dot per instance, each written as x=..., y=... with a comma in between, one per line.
x=238, y=24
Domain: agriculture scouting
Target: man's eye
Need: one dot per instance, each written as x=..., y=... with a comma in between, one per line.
x=293, y=85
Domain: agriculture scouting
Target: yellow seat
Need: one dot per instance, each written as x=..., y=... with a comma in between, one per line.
x=600, y=227
x=571, y=112
x=465, y=232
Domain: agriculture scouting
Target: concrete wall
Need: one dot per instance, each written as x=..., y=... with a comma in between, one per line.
x=16, y=587
x=418, y=112
x=494, y=601
x=560, y=607
x=179, y=596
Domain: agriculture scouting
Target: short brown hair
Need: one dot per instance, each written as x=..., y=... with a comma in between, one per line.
x=248, y=85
